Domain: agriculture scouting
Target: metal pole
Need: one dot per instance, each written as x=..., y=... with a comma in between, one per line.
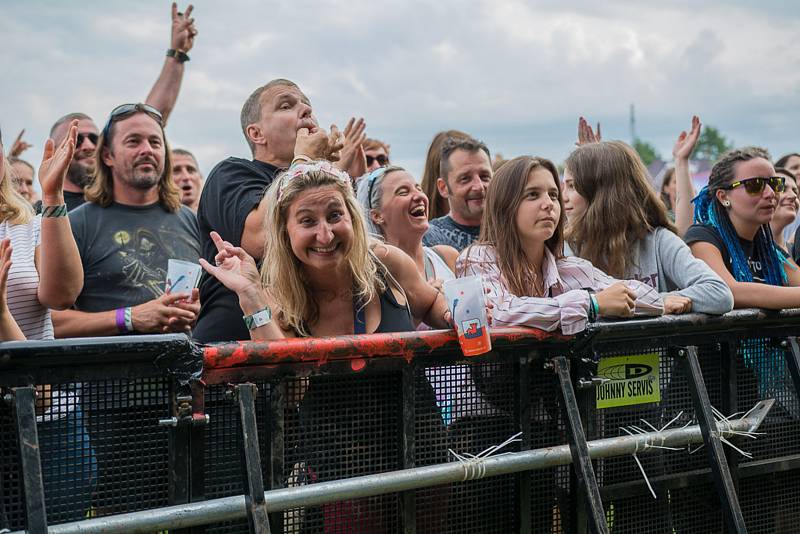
x=711, y=437
x=584, y=471
x=25, y=414
x=229, y=508
x=257, y=518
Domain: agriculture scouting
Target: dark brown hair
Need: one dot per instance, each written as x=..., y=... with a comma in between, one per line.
x=438, y=205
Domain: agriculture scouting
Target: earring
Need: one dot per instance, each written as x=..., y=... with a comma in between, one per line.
x=726, y=203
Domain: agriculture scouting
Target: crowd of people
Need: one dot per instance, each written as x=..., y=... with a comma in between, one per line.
x=319, y=234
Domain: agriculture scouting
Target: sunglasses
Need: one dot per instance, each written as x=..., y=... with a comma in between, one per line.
x=126, y=110
x=382, y=160
x=93, y=137
x=755, y=186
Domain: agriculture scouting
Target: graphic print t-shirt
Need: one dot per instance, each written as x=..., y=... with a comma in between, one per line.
x=709, y=234
x=124, y=251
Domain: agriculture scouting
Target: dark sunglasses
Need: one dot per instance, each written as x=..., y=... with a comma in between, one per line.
x=126, y=110
x=755, y=186
x=380, y=158
x=93, y=137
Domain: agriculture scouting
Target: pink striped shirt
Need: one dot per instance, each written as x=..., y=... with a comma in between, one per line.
x=566, y=282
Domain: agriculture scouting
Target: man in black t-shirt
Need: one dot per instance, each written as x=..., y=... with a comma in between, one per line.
x=464, y=174
x=278, y=124
x=131, y=225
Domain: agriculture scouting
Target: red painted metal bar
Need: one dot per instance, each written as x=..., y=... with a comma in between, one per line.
x=322, y=350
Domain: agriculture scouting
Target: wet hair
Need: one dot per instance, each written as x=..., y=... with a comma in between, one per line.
x=709, y=211
x=621, y=206
x=503, y=197
x=438, y=204
x=251, y=110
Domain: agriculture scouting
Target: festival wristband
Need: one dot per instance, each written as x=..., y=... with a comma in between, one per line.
x=260, y=318
x=129, y=319
x=594, y=308
x=120, y=317
x=179, y=55
x=54, y=211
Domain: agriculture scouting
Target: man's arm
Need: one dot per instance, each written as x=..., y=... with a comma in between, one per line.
x=161, y=315
x=165, y=91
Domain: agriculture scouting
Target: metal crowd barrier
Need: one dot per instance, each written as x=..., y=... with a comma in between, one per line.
x=676, y=424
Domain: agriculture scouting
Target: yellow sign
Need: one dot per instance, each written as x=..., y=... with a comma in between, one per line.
x=628, y=380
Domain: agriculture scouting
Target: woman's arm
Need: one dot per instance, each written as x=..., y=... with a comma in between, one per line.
x=57, y=258
x=749, y=294
x=684, y=188
x=9, y=330
x=237, y=271
x=427, y=304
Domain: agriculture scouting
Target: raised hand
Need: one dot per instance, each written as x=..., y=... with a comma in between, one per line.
x=353, y=160
x=312, y=144
x=235, y=268
x=685, y=143
x=183, y=30
x=19, y=146
x=335, y=144
x=585, y=133
x=55, y=163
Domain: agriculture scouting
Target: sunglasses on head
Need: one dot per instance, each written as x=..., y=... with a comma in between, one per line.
x=382, y=160
x=93, y=137
x=755, y=186
x=126, y=110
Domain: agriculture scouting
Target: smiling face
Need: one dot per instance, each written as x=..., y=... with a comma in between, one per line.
x=465, y=186
x=320, y=229
x=793, y=165
x=748, y=212
x=574, y=204
x=404, y=207
x=188, y=179
x=137, y=152
x=23, y=181
x=539, y=211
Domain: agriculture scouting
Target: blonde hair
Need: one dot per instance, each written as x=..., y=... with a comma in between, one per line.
x=13, y=206
x=282, y=272
x=101, y=190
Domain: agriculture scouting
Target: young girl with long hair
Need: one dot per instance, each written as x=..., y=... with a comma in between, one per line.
x=531, y=282
x=618, y=223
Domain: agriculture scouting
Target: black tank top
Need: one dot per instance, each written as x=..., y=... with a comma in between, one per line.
x=394, y=316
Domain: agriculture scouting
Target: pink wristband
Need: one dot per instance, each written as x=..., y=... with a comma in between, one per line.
x=123, y=329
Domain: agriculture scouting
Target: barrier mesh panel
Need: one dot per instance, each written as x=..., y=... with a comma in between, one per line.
x=771, y=502
x=12, y=503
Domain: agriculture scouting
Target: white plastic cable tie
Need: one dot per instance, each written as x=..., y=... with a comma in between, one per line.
x=647, y=480
x=473, y=465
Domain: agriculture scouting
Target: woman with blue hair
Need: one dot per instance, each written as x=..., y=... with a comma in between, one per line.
x=732, y=231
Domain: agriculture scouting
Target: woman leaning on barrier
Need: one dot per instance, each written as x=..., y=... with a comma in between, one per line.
x=618, y=223
x=46, y=273
x=323, y=277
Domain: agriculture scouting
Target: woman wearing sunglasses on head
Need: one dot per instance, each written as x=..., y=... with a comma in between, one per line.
x=733, y=233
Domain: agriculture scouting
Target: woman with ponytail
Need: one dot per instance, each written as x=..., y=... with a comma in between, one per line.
x=732, y=231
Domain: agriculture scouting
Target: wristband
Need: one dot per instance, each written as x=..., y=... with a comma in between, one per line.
x=129, y=319
x=120, y=317
x=260, y=318
x=179, y=55
x=594, y=308
x=54, y=211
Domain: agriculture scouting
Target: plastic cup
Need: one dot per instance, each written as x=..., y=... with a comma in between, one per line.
x=467, y=302
x=182, y=276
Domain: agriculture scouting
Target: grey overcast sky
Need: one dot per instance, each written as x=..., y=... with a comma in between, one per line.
x=516, y=74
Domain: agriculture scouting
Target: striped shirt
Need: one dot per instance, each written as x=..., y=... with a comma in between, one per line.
x=566, y=282
x=23, y=279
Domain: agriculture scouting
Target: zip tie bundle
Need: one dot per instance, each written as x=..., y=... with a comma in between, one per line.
x=474, y=467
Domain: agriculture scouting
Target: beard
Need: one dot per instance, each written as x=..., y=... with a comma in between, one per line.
x=143, y=180
x=80, y=175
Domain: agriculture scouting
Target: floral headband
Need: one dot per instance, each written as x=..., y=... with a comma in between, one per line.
x=301, y=169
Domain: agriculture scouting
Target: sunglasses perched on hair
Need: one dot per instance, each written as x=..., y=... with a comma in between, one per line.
x=755, y=186
x=126, y=110
x=93, y=137
x=382, y=160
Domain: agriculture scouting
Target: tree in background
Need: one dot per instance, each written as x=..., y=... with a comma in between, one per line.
x=711, y=144
x=646, y=151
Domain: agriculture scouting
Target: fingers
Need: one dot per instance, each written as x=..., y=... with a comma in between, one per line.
x=598, y=131
x=49, y=149
x=188, y=12
x=19, y=137
x=218, y=241
x=302, y=132
x=169, y=299
x=349, y=127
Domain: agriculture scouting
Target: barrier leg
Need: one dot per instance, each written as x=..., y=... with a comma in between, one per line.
x=708, y=427
x=523, y=416
x=793, y=361
x=25, y=414
x=257, y=517
x=408, y=498
x=587, y=482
